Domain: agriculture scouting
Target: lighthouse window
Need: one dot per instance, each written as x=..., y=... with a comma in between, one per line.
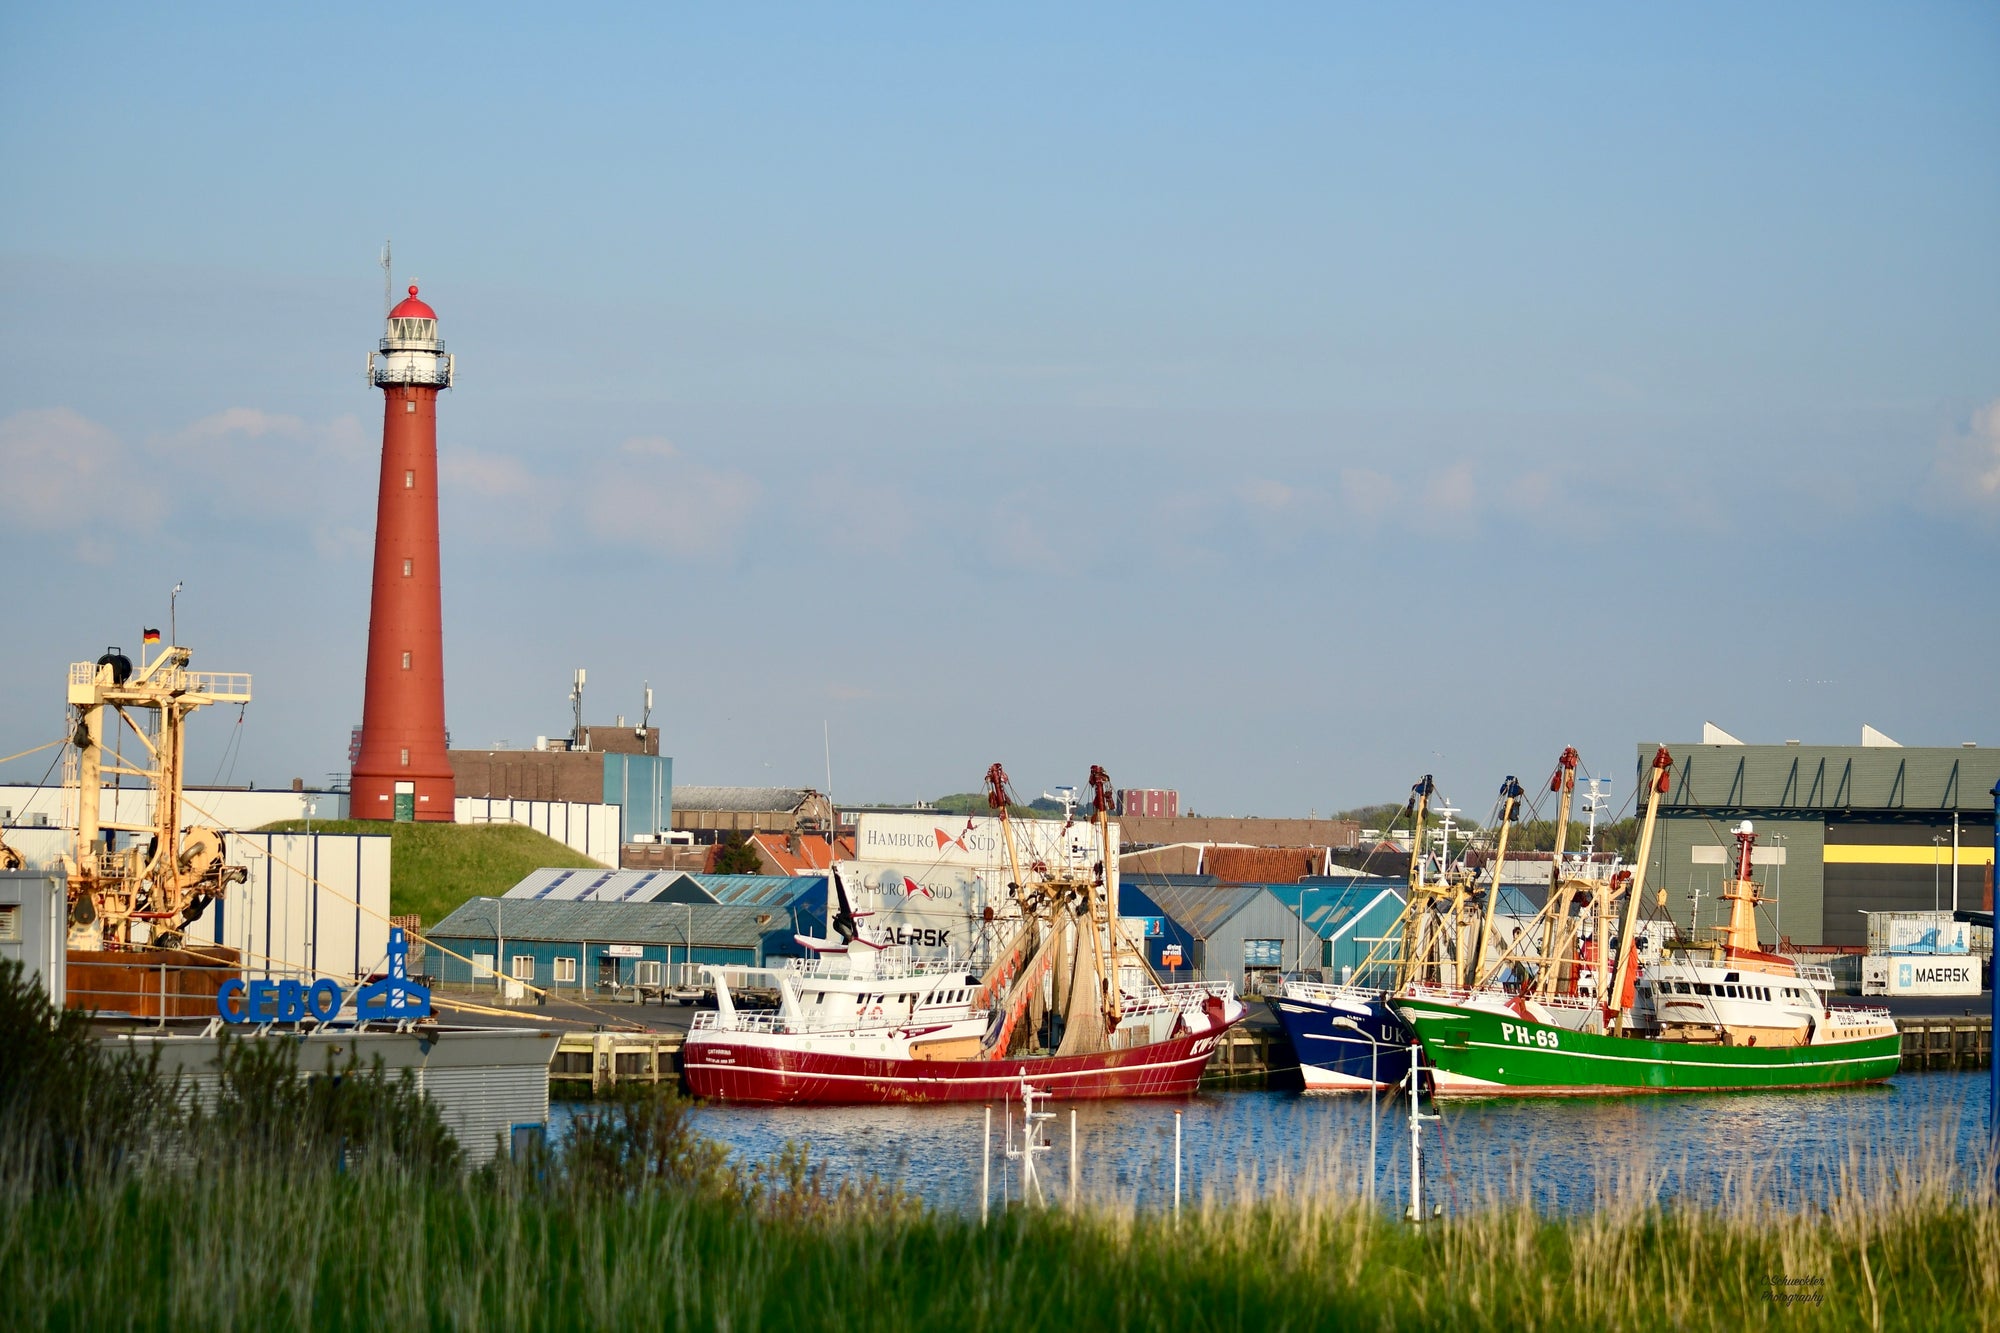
x=406, y=661
x=406, y=759
x=410, y=480
x=407, y=568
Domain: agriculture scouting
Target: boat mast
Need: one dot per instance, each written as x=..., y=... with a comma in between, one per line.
x=1510, y=797
x=1628, y=944
x=1110, y=995
x=1561, y=887
x=998, y=796
x=1418, y=913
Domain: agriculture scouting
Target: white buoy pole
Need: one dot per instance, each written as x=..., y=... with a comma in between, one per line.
x=1177, y=1166
x=1416, y=1157
x=986, y=1169
x=1072, y=1158
x=1374, y=1115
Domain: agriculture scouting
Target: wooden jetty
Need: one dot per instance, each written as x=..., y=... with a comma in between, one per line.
x=606, y=1059
x=1947, y=1043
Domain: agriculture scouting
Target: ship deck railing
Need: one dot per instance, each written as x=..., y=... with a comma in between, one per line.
x=1459, y=995
x=1176, y=995
x=1329, y=992
x=1858, y=1015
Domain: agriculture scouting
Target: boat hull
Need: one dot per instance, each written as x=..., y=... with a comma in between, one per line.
x=1479, y=1053
x=754, y=1072
x=1337, y=1058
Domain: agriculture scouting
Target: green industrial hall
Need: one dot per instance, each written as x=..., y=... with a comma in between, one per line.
x=1842, y=830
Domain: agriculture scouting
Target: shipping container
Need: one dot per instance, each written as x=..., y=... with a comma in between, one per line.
x=1917, y=932
x=1919, y=974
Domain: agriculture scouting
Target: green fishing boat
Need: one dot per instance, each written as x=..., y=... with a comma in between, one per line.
x=1705, y=1015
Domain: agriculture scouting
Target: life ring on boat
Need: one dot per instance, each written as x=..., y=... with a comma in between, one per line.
x=873, y=1012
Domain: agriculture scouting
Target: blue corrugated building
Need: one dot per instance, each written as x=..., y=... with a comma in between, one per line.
x=1350, y=915
x=1220, y=932
x=560, y=944
x=642, y=787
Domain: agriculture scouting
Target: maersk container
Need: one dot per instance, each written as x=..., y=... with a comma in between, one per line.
x=1927, y=974
x=1917, y=933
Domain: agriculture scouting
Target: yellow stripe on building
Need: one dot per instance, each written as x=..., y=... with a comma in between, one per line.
x=1978, y=854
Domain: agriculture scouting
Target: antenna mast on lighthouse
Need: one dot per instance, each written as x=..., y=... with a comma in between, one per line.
x=388, y=281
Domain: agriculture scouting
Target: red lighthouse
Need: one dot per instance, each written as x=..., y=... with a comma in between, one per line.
x=402, y=771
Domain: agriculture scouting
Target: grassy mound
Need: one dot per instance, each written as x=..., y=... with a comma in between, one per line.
x=435, y=867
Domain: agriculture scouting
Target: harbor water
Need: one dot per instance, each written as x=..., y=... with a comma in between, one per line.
x=1794, y=1150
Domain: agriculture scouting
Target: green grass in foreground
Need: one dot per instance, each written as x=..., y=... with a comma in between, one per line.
x=367, y=1250
x=435, y=867
x=275, y=1201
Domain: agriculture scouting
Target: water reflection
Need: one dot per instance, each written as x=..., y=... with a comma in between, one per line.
x=1791, y=1149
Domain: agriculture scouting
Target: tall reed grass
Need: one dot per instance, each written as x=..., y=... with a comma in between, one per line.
x=636, y=1222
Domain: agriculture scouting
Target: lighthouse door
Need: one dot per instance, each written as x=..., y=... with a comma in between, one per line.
x=406, y=802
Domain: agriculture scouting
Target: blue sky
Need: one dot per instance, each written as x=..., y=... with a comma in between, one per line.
x=1273, y=402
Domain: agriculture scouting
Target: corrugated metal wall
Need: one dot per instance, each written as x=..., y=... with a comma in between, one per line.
x=314, y=905
x=1798, y=885
x=589, y=829
x=641, y=786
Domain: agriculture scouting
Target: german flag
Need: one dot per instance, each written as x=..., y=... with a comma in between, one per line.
x=152, y=636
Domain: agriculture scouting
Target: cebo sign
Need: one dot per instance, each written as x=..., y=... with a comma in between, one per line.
x=394, y=997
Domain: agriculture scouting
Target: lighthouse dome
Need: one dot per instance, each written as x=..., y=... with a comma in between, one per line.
x=412, y=308
x=412, y=352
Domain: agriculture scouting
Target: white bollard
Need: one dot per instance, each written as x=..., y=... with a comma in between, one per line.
x=1072, y=1158
x=1177, y=1166
x=986, y=1168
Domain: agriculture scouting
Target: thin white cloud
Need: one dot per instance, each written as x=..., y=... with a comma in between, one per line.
x=1452, y=492
x=1272, y=497
x=64, y=472
x=489, y=475
x=241, y=421
x=1968, y=463
x=1368, y=494
x=652, y=496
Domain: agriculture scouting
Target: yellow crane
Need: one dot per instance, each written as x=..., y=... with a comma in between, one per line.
x=165, y=873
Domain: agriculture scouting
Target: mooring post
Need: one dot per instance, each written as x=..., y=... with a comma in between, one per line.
x=986, y=1168
x=1993, y=1063
x=1072, y=1158
x=1177, y=1167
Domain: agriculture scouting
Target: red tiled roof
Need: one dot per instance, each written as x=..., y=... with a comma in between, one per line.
x=812, y=857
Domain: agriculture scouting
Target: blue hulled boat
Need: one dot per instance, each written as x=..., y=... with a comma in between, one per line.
x=1346, y=1037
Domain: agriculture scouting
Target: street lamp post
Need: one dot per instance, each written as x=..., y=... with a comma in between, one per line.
x=1374, y=1089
